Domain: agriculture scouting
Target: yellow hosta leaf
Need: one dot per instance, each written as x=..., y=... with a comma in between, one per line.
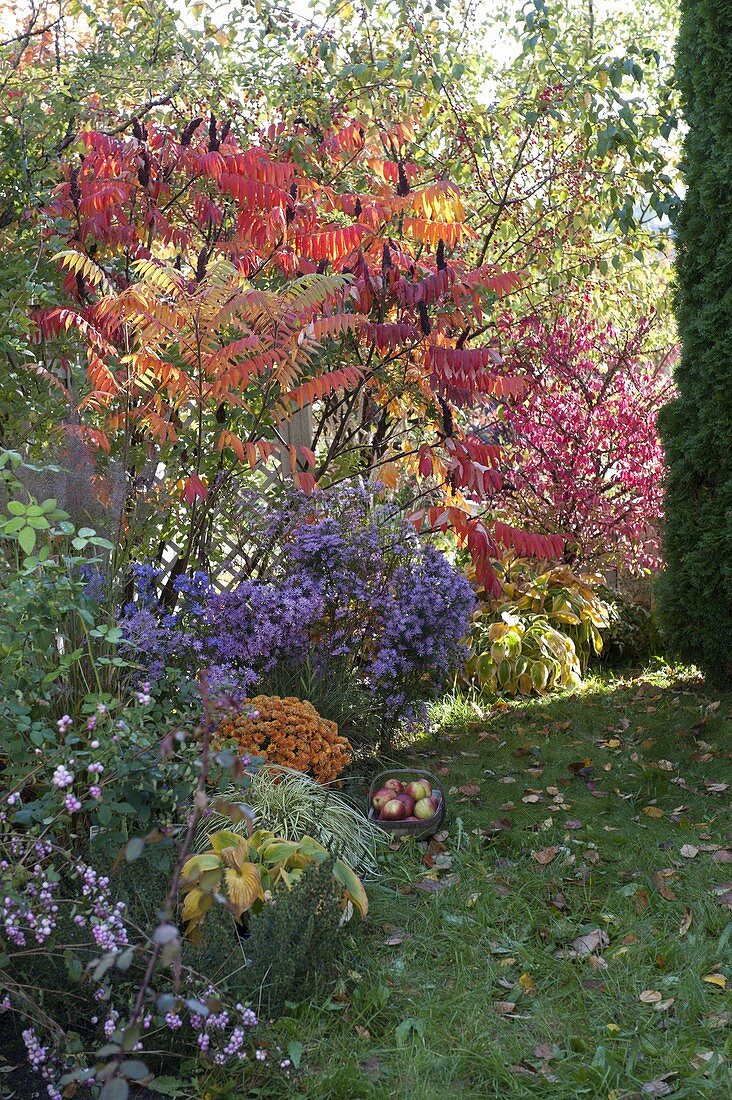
x=197, y=903
x=196, y=866
x=352, y=884
x=224, y=839
x=244, y=887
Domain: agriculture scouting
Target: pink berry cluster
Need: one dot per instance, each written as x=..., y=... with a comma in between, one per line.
x=28, y=909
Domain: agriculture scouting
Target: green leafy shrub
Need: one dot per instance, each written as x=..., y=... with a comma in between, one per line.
x=632, y=635
x=297, y=941
x=540, y=634
x=695, y=591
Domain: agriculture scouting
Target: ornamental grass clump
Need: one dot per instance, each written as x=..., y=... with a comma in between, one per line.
x=293, y=805
x=290, y=732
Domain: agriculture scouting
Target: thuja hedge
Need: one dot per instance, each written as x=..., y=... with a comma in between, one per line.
x=695, y=594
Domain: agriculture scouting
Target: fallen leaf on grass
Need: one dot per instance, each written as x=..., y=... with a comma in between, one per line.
x=717, y=980
x=653, y=811
x=664, y=1006
x=723, y=855
x=559, y=901
x=371, y=1068
x=395, y=936
x=650, y=996
x=470, y=790
x=531, y=798
x=545, y=855
x=659, y=881
x=688, y=851
x=685, y=922
x=588, y=943
x=545, y=1051
x=435, y=885
x=572, y=824
x=527, y=984
x=642, y=899
x=505, y=1008
x=659, y=1086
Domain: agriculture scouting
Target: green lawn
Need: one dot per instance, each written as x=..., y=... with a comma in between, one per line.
x=568, y=940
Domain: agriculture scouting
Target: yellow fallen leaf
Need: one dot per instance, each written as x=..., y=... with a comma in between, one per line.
x=650, y=996
x=527, y=983
x=716, y=979
x=653, y=811
x=612, y=1027
x=613, y=743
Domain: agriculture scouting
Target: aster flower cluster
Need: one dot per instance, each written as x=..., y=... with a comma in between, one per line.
x=343, y=584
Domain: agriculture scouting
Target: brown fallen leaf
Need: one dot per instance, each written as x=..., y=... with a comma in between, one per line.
x=642, y=899
x=653, y=811
x=470, y=790
x=531, y=798
x=588, y=943
x=685, y=922
x=395, y=936
x=659, y=1086
x=650, y=996
x=371, y=1068
x=362, y=1032
x=435, y=885
x=545, y=855
x=505, y=1008
x=559, y=901
x=545, y=1051
x=723, y=855
x=688, y=851
x=659, y=881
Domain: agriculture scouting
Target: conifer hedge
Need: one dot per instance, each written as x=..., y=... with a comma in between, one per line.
x=695, y=594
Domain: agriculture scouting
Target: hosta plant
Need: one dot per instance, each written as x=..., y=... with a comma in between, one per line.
x=541, y=633
x=249, y=870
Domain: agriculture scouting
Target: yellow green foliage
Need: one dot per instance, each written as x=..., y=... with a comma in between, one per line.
x=247, y=870
x=540, y=633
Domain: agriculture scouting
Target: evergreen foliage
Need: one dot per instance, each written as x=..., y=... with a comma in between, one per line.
x=696, y=591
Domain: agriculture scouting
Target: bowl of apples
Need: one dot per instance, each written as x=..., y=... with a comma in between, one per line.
x=407, y=802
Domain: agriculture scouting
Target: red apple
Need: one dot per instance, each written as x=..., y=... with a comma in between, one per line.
x=425, y=808
x=394, y=785
x=381, y=798
x=417, y=789
x=408, y=802
x=394, y=810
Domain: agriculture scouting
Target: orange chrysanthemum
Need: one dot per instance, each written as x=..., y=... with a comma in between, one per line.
x=289, y=732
